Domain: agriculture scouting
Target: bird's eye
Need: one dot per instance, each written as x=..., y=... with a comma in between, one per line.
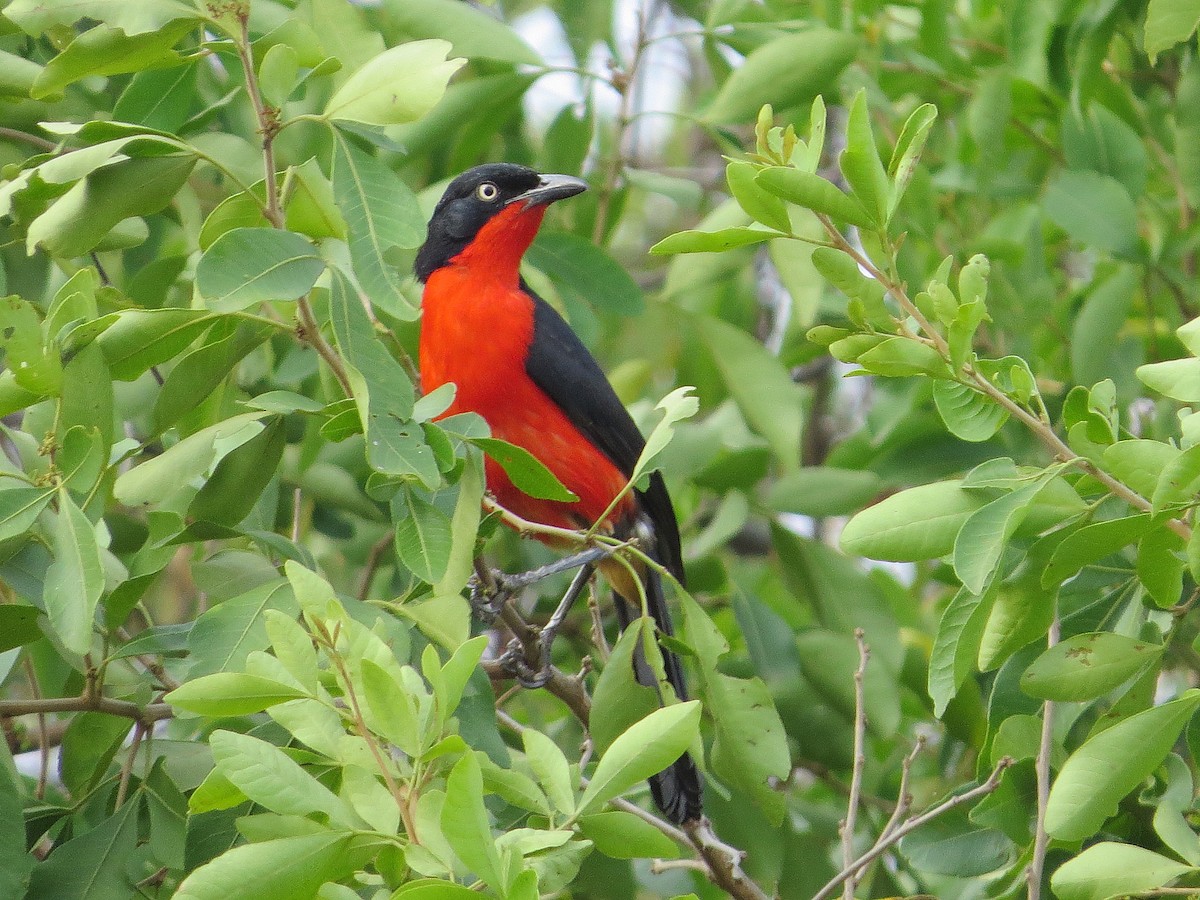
x=487, y=191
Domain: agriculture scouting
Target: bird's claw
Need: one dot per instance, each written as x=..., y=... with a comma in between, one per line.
x=515, y=664
x=484, y=604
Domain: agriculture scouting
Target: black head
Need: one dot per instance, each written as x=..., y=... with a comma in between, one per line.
x=477, y=195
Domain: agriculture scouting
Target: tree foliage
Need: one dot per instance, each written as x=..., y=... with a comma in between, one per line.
x=930, y=271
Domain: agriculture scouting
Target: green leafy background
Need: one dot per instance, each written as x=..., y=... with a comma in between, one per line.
x=930, y=271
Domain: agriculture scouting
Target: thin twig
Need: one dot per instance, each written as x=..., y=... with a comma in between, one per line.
x=152, y=665
x=360, y=725
x=139, y=731
x=267, y=117
x=43, y=739
x=1041, y=840
x=34, y=140
x=374, y=558
x=860, y=762
x=884, y=843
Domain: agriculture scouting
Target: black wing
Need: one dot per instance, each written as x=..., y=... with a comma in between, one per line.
x=562, y=367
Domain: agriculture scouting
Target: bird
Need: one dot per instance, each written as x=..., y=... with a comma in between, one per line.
x=517, y=363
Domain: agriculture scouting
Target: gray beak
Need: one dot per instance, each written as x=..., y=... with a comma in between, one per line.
x=551, y=188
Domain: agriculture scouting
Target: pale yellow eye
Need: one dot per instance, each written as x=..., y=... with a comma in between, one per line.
x=487, y=191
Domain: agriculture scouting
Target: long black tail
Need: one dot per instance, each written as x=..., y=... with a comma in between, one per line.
x=676, y=789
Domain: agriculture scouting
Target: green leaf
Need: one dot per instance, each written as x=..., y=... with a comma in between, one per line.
x=105, y=50
x=433, y=889
x=272, y=779
x=956, y=646
x=1109, y=869
x=760, y=204
x=1094, y=210
x=908, y=151
x=787, y=71
x=282, y=869
x=551, y=768
x=643, y=750
x=525, y=470
x=231, y=694
x=1087, y=666
x=136, y=339
x=34, y=367
x=813, y=192
x=91, y=865
x=579, y=265
x=1160, y=567
x=713, y=241
x=1091, y=544
x=618, y=701
x=760, y=385
x=381, y=213
x=472, y=32
x=133, y=16
x=223, y=636
x=1170, y=22
x=916, y=524
x=79, y=220
x=968, y=414
x=202, y=371
x=162, y=99
x=19, y=508
x=824, y=491
x=246, y=266
x=750, y=747
x=953, y=845
x=983, y=537
x=1139, y=463
x=397, y=86
x=164, y=475
x=1110, y=765
x=900, y=357
x=465, y=825
x=75, y=580
x=18, y=626
x=1096, y=331
x=622, y=835
x=1178, y=379
x=233, y=489
x=829, y=661
x=676, y=406
x=860, y=162
x=277, y=74
x=423, y=535
x=1179, y=480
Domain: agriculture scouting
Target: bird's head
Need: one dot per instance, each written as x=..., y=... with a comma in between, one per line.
x=491, y=212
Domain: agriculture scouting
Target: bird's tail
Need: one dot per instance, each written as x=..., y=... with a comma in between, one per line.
x=676, y=789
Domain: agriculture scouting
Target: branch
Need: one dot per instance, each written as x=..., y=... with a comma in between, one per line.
x=267, y=117
x=860, y=761
x=150, y=713
x=890, y=839
x=1041, y=840
x=1043, y=431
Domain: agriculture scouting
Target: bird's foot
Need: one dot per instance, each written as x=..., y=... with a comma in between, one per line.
x=486, y=603
x=515, y=662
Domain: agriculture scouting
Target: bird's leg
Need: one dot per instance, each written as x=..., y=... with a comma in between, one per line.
x=583, y=558
x=489, y=593
x=490, y=589
x=550, y=629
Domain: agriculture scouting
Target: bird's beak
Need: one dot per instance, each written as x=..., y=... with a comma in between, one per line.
x=551, y=188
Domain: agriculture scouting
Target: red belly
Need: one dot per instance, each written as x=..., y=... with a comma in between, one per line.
x=476, y=336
